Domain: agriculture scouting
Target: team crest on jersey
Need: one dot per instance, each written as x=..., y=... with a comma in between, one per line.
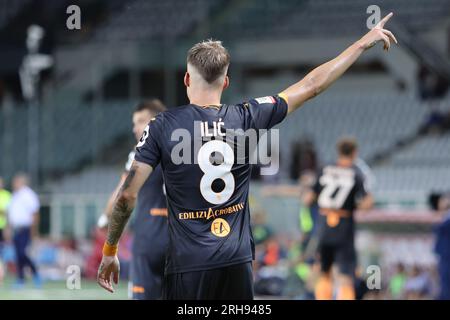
x=268, y=99
x=220, y=228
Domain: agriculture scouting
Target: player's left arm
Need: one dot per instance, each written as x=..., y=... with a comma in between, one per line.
x=309, y=198
x=366, y=203
x=123, y=207
x=365, y=199
x=323, y=76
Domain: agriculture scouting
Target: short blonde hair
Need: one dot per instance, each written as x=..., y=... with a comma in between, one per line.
x=210, y=58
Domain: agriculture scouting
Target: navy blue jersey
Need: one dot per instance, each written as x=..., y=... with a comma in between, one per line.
x=151, y=236
x=338, y=190
x=442, y=245
x=206, y=171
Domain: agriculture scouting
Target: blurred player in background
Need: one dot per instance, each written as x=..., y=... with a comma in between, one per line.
x=150, y=239
x=23, y=219
x=211, y=246
x=340, y=190
x=442, y=245
x=5, y=198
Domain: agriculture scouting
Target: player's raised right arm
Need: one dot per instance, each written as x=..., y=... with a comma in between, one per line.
x=323, y=76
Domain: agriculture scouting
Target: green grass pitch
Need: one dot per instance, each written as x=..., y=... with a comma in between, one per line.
x=57, y=290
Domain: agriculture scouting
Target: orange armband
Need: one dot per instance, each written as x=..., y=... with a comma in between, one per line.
x=109, y=250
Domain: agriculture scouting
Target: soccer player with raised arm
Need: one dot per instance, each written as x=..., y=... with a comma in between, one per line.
x=210, y=242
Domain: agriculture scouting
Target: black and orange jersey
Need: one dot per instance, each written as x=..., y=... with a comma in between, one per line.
x=206, y=168
x=338, y=191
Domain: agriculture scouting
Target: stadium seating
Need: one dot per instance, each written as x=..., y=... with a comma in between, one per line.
x=428, y=151
x=378, y=122
x=8, y=9
x=71, y=135
x=319, y=17
x=141, y=20
x=96, y=127
x=91, y=181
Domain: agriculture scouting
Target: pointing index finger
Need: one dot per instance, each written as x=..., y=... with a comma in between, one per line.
x=385, y=19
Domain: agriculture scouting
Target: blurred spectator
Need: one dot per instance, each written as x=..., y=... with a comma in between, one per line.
x=23, y=214
x=442, y=246
x=272, y=253
x=269, y=253
x=302, y=275
x=431, y=85
x=270, y=275
x=5, y=198
x=307, y=214
x=418, y=285
x=269, y=282
x=436, y=122
x=397, y=282
x=304, y=159
x=361, y=288
x=261, y=230
x=55, y=257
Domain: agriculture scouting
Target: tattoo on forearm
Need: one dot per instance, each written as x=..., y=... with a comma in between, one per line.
x=371, y=44
x=129, y=178
x=100, y=269
x=121, y=212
